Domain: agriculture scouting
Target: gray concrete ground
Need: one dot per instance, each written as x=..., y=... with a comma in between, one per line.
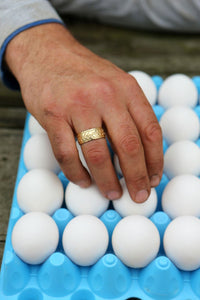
x=155, y=53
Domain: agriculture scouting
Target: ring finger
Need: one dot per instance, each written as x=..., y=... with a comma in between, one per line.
x=98, y=158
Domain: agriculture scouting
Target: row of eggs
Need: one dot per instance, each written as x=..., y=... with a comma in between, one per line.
x=40, y=189
x=85, y=239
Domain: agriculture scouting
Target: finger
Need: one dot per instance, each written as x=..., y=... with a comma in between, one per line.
x=129, y=148
x=65, y=150
x=151, y=136
x=98, y=158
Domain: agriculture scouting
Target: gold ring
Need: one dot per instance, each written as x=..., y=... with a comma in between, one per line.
x=90, y=135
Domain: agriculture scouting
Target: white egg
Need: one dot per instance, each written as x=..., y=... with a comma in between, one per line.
x=182, y=242
x=34, y=126
x=136, y=241
x=181, y=196
x=40, y=190
x=147, y=85
x=38, y=153
x=85, y=201
x=180, y=123
x=178, y=89
x=82, y=158
x=125, y=206
x=85, y=240
x=117, y=165
x=35, y=237
x=182, y=157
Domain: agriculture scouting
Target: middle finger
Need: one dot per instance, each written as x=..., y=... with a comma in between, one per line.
x=129, y=148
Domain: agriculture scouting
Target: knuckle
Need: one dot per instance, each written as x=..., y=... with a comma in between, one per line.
x=82, y=98
x=65, y=157
x=139, y=181
x=156, y=166
x=60, y=157
x=133, y=88
x=96, y=156
x=50, y=111
x=98, y=90
x=152, y=132
x=49, y=106
x=132, y=83
x=46, y=102
x=130, y=144
x=104, y=87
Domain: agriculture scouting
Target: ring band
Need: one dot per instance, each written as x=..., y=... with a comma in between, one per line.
x=90, y=135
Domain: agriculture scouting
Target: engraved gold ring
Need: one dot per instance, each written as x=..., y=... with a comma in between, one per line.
x=90, y=135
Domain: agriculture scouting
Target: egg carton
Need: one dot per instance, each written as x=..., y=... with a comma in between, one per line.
x=59, y=278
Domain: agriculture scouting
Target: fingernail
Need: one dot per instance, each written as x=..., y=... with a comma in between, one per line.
x=113, y=195
x=155, y=180
x=83, y=184
x=141, y=196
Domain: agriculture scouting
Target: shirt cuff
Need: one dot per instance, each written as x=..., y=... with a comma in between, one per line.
x=6, y=76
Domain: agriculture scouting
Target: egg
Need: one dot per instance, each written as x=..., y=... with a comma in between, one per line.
x=181, y=196
x=40, y=190
x=117, y=165
x=147, y=85
x=38, y=153
x=35, y=237
x=136, y=241
x=34, y=126
x=82, y=158
x=180, y=123
x=85, y=240
x=182, y=157
x=178, y=89
x=125, y=206
x=85, y=201
x=182, y=242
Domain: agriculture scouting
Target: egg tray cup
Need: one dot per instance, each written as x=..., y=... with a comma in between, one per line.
x=59, y=278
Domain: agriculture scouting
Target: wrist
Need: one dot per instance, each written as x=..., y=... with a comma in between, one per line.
x=30, y=46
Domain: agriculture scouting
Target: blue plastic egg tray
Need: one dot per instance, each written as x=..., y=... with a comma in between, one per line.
x=109, y=278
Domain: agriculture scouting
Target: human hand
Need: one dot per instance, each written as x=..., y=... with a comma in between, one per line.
x=68, y=89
